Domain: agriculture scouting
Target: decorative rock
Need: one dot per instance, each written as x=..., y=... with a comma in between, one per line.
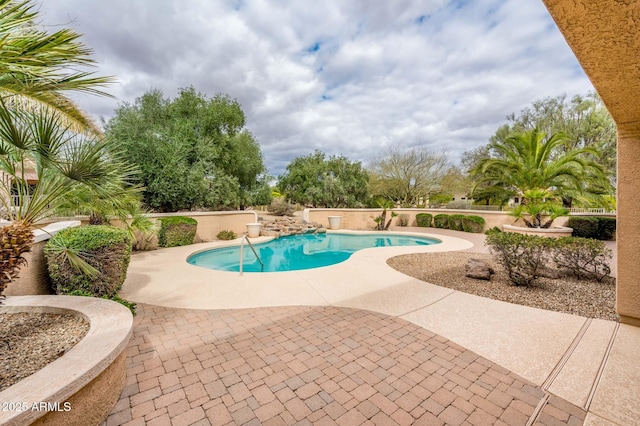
x=478, y=269
x=283, y=226
x=550, y=273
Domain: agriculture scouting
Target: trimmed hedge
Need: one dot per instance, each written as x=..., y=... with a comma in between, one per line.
x=599, y=228
x=177, y=231
x=473, y=224
x=441, y=221
x=107, y=249
x=424, y=220
x=455, y=222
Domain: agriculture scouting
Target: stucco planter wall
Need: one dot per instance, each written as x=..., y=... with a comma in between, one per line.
x=89, y=377
x=557, y=232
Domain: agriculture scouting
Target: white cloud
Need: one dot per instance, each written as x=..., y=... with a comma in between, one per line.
x=348, y=78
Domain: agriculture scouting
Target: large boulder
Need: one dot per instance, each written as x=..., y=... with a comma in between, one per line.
x=478, y=269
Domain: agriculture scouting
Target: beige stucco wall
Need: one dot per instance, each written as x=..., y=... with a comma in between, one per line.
x=211, y=223
x=605, y=37
x=362, y=219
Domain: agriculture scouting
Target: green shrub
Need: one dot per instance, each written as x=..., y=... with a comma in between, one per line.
x=584, y=226
x=455, y=222
x=493, y=230
x=280, y=207
x=582, y=257
x=403, y=219
x=522, y=256
x=441, y=221
x=129, y=305
x=424, y=220
x=606, y=228
x=89, y=258
x=599, y=228
x=226, y=235
x=177, y=231
x=473, y=224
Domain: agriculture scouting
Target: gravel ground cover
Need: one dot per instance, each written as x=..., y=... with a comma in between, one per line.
x=579, y=297
x=30, y=341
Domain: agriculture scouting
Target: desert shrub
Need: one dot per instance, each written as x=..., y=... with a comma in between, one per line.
x=177, y=231
x=522, y=256
x=584, y=226
x=89, y=258
x=455, y=222
x=403, y=219
x=129, y=305
x=493, y=230
x=441, y=221
x=606, y=228
x=459, y=205
x=280, y=207
x=473, y=224
x=226, y=235
x=424, y=220
x=582, y=257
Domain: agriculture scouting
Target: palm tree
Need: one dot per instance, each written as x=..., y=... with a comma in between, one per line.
x=38, y=68
x=540, y=169
x=45, y=166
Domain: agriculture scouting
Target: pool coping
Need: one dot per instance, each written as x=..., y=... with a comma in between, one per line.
x=262, y=240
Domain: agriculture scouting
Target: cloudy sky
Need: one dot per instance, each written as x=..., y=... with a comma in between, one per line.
x=347, y=77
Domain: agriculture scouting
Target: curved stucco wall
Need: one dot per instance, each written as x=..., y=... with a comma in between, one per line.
x=89, y=377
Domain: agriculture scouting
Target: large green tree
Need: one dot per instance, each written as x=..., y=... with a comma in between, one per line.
x=38, y=68
x=531, y=163
x=583, y=119
x=406, y=176
x=318, y=181
x=192, y=151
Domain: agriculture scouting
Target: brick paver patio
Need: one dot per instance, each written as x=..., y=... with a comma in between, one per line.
x=315, y=365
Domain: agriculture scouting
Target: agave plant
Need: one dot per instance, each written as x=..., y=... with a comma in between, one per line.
x=539, y=208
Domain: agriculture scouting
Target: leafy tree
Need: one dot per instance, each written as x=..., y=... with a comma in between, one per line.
x=192, y=151
x=583, y=120
x=407, y=176
x=37, y=68
x=325, y=182
x=530, y=163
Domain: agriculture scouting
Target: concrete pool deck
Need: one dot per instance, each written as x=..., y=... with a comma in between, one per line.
x=590, y=363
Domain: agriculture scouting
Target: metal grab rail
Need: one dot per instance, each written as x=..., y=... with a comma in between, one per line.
x=245, y=238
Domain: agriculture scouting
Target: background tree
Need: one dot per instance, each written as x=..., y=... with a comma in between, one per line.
x=192, y=151
x=529, y=162
x=37, y=68
x=318, y=181
x=408, y=176
x=583, y=120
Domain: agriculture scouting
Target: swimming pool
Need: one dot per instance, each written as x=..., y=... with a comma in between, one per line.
x=301, y=251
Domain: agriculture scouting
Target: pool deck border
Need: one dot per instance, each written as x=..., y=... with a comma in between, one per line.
x=585, y=361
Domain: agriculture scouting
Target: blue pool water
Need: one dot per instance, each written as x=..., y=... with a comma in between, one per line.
x=300, y=251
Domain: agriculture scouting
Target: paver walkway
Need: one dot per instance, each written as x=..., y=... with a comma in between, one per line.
x=315, y=365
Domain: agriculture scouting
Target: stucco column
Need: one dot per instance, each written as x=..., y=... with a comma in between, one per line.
x=628, y=227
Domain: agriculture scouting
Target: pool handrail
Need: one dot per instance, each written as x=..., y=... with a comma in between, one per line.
x=244, y=238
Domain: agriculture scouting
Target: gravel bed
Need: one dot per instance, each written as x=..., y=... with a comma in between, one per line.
x=30, y=341
x=579, y=297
